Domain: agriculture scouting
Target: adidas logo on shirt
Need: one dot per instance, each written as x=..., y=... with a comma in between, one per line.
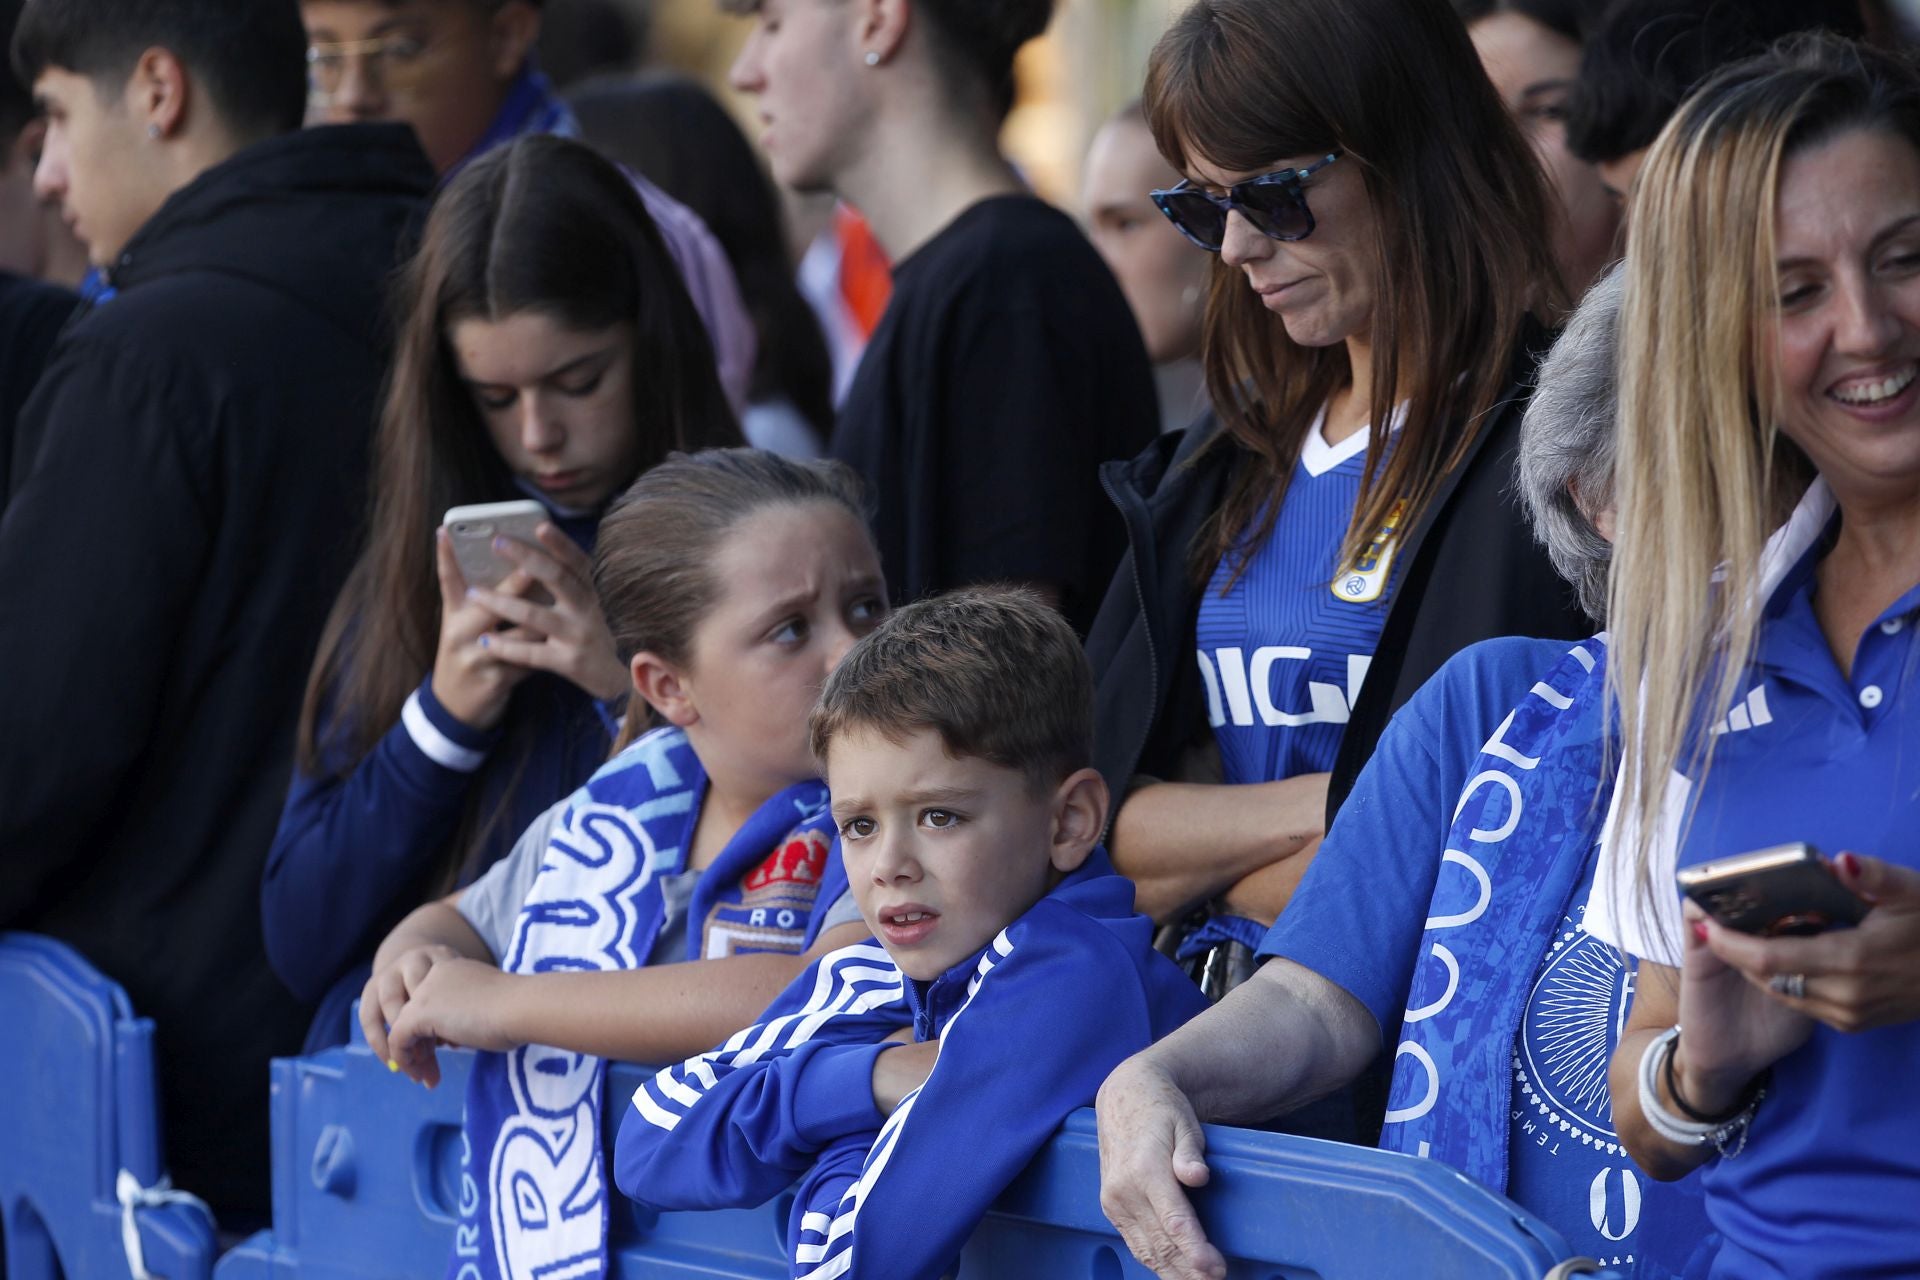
x=1750, y=713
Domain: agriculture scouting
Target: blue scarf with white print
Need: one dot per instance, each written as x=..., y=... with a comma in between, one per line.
x=1523, y=829
x=533, y=1187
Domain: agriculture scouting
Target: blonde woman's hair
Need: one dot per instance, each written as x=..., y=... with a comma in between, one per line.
x=1704, y=475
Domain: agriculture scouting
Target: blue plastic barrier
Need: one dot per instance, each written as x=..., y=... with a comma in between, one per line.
x=77, y=1106
x=366, y=1184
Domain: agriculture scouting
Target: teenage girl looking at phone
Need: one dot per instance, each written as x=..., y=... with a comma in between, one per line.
x=734, y=580
x=547, y=349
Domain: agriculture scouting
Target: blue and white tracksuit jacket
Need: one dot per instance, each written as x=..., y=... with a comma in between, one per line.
x=1028, y=1029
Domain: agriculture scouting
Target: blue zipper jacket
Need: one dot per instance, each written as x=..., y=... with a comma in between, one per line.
x=1028, y=1029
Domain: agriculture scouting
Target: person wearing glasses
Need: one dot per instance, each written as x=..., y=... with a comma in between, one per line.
x=1006, y=367
x=1304, y=563
x=461, y=72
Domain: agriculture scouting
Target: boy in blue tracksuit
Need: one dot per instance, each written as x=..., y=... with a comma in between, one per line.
x=906, y=1084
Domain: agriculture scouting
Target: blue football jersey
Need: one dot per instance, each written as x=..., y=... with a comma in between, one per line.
x=1284, y=649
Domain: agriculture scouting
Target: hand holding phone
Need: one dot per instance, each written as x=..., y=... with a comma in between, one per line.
x=1784, y=890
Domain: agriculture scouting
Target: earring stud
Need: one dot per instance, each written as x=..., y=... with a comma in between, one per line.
x=873, y=58
x=153, y=132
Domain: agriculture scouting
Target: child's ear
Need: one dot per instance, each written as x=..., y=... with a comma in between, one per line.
x=660, y=683
x=1079, y=816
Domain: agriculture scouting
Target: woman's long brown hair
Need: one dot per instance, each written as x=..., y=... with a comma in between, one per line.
x=545, y=226
x=1462, y=252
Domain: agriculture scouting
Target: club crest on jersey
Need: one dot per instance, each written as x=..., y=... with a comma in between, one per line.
x=1363, y=583
x=799, y=861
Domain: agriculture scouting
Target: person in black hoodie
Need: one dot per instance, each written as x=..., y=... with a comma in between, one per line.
x=37, y=255
x=168, y=561
x=1300, y=566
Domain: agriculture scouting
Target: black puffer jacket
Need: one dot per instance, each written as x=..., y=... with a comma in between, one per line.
x=1472, y=571
x=166, y=564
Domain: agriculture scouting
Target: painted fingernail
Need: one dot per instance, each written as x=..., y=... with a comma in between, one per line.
x=483, y=641
x=500, y=543
x=1700, y=930
x=1849, y=864
x=392, y=1065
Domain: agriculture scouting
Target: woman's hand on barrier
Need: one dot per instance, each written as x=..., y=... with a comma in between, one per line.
x=459, y=1002
x=470, y=677
x=1852, y=979
x=391, y=988
x=568, y=636
x=1730, y=1029
x=1151, y=1149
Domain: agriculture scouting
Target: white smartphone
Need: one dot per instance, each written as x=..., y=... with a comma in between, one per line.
x=475, y=527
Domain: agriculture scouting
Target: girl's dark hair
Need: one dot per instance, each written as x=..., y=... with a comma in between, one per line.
x=675, y=133
x=1646, y=56
x=653, y=560
x=542, y=225
x=1461, y=254
x=1569, y=18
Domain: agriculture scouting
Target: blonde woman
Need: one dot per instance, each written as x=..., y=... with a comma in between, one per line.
x=1772, y=329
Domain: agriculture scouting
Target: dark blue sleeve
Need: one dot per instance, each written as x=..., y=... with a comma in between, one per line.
x=735, y=1126
x=1057, y=1006
x=349, y=848
x=1361, y=909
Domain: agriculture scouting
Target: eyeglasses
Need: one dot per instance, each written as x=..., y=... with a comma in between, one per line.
x=1273, y=203
x=395, y=59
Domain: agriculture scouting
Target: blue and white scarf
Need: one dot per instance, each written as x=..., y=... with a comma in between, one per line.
x=531, y=106
x=533, y=1190
x=1523, y=829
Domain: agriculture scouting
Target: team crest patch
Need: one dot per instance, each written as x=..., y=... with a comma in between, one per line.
x=776, y=901
x=1364, y=582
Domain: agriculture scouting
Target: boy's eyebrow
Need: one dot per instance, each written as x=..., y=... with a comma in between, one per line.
x=848, y=802
x=937, y=795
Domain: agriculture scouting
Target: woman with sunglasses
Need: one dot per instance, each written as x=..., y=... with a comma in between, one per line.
x=1300, y=566
x=1006, y=367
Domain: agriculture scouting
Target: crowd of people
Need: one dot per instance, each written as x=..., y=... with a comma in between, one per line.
x=1263, y=658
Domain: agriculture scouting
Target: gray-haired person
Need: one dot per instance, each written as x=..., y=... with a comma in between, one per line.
x=1442, y=920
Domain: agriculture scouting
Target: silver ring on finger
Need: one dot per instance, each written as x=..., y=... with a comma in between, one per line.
x=1791, y=985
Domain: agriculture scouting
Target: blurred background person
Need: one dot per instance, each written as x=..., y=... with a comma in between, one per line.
x=1643, y=57
x=461, y=72
x=676, y=134
x=39, y=258
x=1164, y=280
x=1006, y=366
x=167, y=558
x=580, y=39
x=1530, y=49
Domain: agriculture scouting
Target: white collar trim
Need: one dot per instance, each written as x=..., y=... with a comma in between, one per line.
x=1319, y=457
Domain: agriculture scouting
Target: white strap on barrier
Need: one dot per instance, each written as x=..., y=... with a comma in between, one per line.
x=133, y=1197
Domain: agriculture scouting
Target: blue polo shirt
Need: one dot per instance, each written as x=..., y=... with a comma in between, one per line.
x=1829, y=1182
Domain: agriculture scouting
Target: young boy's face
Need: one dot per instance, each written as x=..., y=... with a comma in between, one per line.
x=941, y=853
x=442, y=66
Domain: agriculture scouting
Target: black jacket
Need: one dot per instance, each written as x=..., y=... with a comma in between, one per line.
x=32, y=314
x=1471, y=571
x=166, y=564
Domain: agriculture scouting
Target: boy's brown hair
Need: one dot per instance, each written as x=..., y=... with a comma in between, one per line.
x=994, y=671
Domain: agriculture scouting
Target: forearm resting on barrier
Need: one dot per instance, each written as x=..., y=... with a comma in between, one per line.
x=1183, y=843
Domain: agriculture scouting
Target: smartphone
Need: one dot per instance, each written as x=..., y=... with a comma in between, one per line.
x=475, y=527
x=1785, y=889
